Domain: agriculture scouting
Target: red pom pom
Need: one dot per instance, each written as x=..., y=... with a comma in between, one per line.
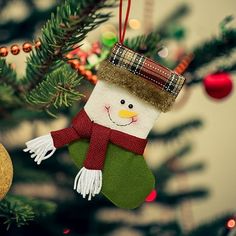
x=152, y=196
x=218, y=85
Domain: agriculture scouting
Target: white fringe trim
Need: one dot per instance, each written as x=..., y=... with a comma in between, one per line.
x=88, y=182
x=39, y=147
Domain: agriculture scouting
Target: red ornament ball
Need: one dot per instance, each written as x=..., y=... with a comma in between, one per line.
x=218, y=85
x=3, y=51
x=152, y=196
x=15, y=49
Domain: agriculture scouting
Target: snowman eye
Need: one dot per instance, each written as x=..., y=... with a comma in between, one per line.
x=130, y=106
x=122, y=101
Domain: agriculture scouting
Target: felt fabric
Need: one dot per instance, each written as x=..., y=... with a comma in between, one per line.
x=109, y=95
x=99, y=137
x=127, y=181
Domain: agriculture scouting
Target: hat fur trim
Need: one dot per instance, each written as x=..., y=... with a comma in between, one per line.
x=137, y=85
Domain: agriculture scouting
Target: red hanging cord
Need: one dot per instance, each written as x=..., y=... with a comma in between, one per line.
x=122, y=34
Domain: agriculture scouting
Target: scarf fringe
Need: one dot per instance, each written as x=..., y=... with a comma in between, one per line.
x=88, y=182
x=41, y=148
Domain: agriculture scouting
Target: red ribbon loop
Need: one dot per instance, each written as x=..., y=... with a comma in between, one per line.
x=122, y=34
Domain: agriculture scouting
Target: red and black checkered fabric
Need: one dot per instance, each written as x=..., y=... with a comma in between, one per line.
x=162, y=77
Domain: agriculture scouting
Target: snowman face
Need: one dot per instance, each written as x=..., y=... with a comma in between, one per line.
x=114, y=107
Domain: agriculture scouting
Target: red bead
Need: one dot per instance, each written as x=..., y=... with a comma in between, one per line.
x=81, y=70
x=15, y=49
x=74, y=63
x=3, y=51
x=94, y=79
x=218, y=85
x=69, y=56
x=27, y=47
x=88, y=73
x=83, y=59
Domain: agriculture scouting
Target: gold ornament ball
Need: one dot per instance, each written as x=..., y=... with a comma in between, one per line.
x=15, y=49
x=6, y=172
x=3, y=51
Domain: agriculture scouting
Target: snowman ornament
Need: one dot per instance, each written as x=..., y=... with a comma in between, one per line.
x=107, y=137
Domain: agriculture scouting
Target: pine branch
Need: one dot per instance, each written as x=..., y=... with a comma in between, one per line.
x=15, y=212
x=173, y=199
x=59, y=89
x=176, y=131
x=67, y=27
x=224, y=68
x=216, y=226
x=189, y=169
x=212, y=49
x=165, y=171
x=227, y=68
x=161, y=229
x=10, y=88
x=19, y=211
x=8, y=76
x=7, y=98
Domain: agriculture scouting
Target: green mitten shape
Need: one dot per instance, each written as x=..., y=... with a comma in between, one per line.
x=127, y=180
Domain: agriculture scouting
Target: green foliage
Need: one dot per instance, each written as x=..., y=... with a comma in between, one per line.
x=14, y=211
x=147, y=44
x=174, y=132
x=9, y=86
x=51, y=85
x=212, y=49
x=167, y=169
x=219, y=46
x=59, y=89
x=227, y=68
x=19, y=211
x=66, y=28
x=153, y=229
x=6, y=94
x=216, y=227
x=172, y=168
x=8, y=75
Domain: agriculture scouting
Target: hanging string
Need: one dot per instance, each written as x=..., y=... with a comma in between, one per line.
x=122, y=31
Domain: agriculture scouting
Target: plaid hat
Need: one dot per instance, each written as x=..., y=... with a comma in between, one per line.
x=142, y=76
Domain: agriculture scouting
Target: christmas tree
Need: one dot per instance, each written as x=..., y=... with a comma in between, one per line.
x=60, y=74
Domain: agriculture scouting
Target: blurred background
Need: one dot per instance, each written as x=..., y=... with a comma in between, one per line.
x=191, y=149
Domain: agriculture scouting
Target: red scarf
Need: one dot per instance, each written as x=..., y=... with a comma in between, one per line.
x=100, y=136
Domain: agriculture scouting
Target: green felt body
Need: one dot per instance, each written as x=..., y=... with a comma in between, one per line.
x=126, y=178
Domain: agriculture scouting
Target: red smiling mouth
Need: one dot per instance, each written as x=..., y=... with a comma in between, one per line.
x=133, y=119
